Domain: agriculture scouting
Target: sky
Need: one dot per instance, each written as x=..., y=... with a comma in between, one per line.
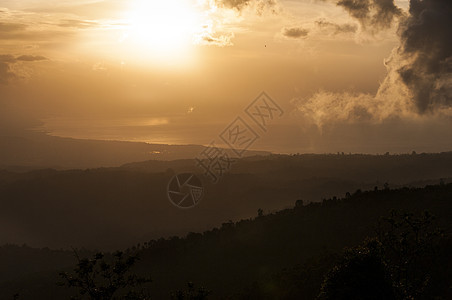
x=365, y=76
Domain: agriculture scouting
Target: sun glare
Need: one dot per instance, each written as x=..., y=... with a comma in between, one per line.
x=163, y=29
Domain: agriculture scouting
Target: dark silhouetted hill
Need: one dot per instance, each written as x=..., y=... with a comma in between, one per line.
x=280, y=255
x=111, y=208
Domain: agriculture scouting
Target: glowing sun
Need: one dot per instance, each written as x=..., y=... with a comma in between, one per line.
x=163, y=28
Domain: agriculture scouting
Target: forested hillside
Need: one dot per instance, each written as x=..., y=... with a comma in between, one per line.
x=286, y=254
x=111, y=208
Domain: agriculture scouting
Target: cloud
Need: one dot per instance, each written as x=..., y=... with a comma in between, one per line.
x=426, y=50
x=220, y=41
x=295, y=32
x=7, y=63
x=419, y=74
x=336, y=28
x=7, y=58
x=80, y=24
x=11, y=27
x=26, y=25
x=237, y=4
x=30, y=58
x=35, y=35
x=5, y=73
x=392, y=101
x=259, y=5
x=240, y=4
x=217, y=29
x=328, y=108
x=11, y=30
x=373, y=15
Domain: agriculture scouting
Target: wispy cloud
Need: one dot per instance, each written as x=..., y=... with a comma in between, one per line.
x=8, y=71
x=295, y=32
x=335, y=28
x=258, y=5
x=81, y=24
x=220, y=41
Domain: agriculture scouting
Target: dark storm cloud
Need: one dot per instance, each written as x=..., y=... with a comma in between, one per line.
x=419, y=77
x=337, y=28
x=426, y=44
x=424, y=61
x=295, y=32
x=372, y=14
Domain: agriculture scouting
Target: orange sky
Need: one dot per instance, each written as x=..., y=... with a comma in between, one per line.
x=181, y=71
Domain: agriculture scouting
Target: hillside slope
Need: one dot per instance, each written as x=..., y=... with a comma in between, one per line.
x=290, y=249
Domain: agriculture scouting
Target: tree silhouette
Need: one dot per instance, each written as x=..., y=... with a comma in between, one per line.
x=410, y=247
x=191, y=293
x=407, y=260
x=100, y=279
x=360, y=275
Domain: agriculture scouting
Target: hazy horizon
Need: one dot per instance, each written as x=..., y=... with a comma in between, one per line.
x=179, y=72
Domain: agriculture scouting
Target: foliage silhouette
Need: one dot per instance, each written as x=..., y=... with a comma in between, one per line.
x=406, y=260
x=283, y=254
x=100, y=279
x=191, y=293
x=360, y=275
